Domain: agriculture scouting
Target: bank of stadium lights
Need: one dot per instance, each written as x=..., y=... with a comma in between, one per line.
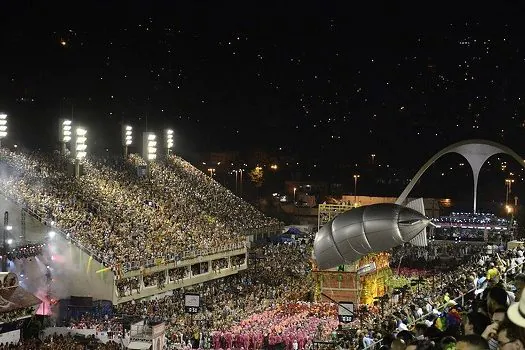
x=80, y=143
x=80, y=148
x=169, y=141
x=152, y=147
x=65, y=131
x=149, y=146
x=127, y=140
x=3, y=126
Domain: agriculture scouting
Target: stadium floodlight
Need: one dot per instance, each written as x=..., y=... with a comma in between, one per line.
x=127, y=138
x=128, y=135
x=149, y=146
x=80, y=143
x=169, y=140
x=51, y=234
x=9, y=227
x=80, y=148
x=10, y=241
x=3, y=126
x=66, y=131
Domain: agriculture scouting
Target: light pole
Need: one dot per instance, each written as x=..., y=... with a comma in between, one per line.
x=240, y=183
x=356, y=176
x=169, y=141
x=373, y=157
x=236, y=174
x=508, y=184
x=65, y=133
x=212, y=171
x=80, y=148
x=128, y=139
x=149, y=149
x=3, y=127
x=294, y=190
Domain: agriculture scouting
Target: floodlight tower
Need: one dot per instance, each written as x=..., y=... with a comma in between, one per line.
x=80, y=148
x=64, y=131
x=3, y=127
x=169, y=141
x=127, y=139
x=149, y=148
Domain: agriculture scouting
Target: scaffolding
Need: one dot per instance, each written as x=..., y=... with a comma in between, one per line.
x=327, y=212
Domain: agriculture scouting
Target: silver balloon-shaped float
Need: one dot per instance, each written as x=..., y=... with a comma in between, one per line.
x=366, y=229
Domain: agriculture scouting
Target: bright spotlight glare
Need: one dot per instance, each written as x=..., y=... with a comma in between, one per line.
x=10, y=241
x=9, y=227
x=51, y=234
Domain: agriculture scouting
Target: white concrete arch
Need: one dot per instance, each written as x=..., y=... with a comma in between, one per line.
x=476, y=152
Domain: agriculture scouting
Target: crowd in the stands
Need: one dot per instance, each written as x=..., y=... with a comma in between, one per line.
x=59, y=342
x=122, y=217
x=277, y=274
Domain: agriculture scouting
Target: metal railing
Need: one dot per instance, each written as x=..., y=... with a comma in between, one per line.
x=175, y=257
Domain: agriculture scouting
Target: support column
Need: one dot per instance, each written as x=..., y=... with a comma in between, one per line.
x=475, y=174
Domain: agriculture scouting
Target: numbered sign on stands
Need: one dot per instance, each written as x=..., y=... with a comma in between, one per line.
x=346, y=312
x=192, y=303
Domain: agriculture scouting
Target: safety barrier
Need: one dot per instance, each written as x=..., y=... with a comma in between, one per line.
x=173, y=257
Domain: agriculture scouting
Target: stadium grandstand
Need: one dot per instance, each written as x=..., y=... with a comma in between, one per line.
x=115, y=235
x=459, y=226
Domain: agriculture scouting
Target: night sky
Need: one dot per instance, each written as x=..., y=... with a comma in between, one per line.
x=320, y=83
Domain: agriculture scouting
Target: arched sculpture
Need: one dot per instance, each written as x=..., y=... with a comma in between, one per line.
x=476, y=152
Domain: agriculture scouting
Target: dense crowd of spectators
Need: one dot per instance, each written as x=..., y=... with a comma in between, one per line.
x=474, y=296
x=59, y=342
x=277, y=274
x=16, y=314
x=122, y=217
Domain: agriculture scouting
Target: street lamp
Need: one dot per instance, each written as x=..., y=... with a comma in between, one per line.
x=373, y=157
x=64, y=130
x=169, y=140
x=356, y=176
x=240, y=183
x=127, y=140
x=212, y=171
x=80, y=148
x=236, y=175
x=508, y=184
x=3, y=126
x=294, y=190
